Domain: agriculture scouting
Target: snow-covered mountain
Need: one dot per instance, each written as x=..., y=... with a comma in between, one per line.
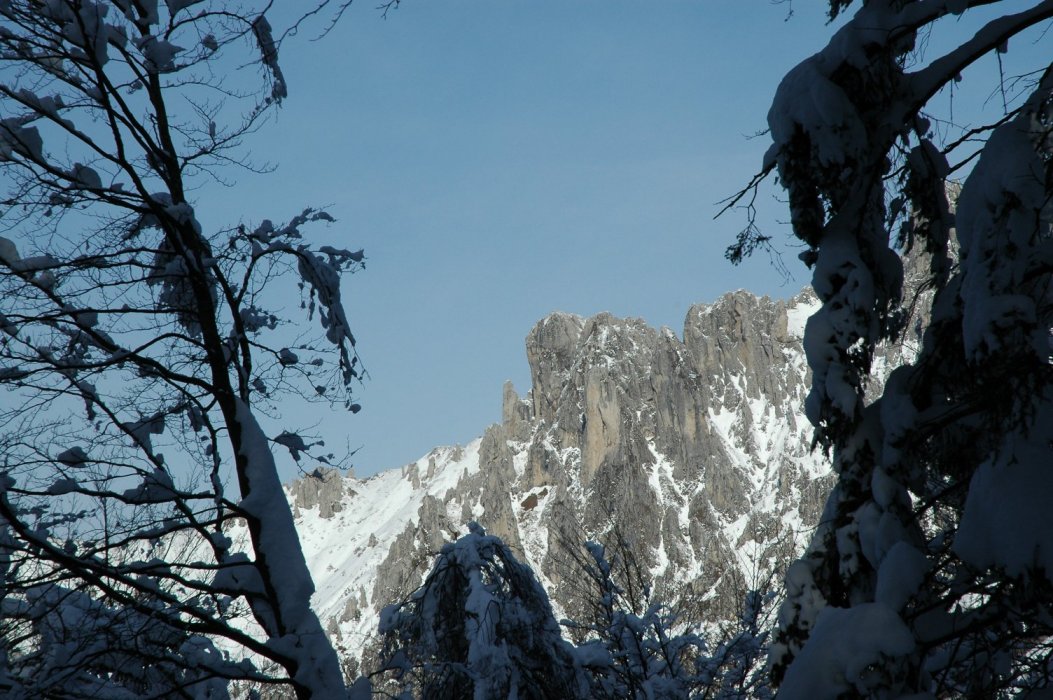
x=694, y=448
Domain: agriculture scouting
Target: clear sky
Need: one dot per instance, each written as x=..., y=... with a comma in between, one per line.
x=502, y=159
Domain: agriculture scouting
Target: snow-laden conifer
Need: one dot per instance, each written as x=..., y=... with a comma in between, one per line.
x=931, y=571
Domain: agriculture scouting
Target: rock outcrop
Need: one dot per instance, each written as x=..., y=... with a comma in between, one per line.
x=324, y=488
x=692, y=451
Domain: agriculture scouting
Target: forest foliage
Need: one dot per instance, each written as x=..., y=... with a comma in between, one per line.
x=931, y=571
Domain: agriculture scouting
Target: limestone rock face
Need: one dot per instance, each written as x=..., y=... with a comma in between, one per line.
x=497, y=474
x=516, y=414
x=691, y=450
x=409, y=556
x=323, y=488
x=551, y=349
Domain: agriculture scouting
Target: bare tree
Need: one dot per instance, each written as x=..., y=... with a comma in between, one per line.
x=639, y=647
x=138, y=347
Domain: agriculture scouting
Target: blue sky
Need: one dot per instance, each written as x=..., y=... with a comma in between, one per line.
x=502, y=159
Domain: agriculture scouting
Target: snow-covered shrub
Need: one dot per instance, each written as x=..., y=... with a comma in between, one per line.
x=635, y=647
x=63, y=643
x=480, y=626
x=629, y=647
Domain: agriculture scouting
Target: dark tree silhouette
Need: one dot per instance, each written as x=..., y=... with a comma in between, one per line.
x=932, y=569
x=138, y=346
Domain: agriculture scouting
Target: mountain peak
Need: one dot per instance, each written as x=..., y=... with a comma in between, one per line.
x=695, y=449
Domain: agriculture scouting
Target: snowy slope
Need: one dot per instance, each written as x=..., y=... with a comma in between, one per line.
x=345, y=551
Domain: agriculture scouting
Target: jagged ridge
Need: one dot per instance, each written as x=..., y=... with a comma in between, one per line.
x=696, y=448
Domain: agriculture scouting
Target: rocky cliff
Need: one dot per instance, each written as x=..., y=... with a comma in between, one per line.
x=694, y=449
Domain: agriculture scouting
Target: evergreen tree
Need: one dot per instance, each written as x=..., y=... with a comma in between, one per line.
x=480, y=626
x=932, y=569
